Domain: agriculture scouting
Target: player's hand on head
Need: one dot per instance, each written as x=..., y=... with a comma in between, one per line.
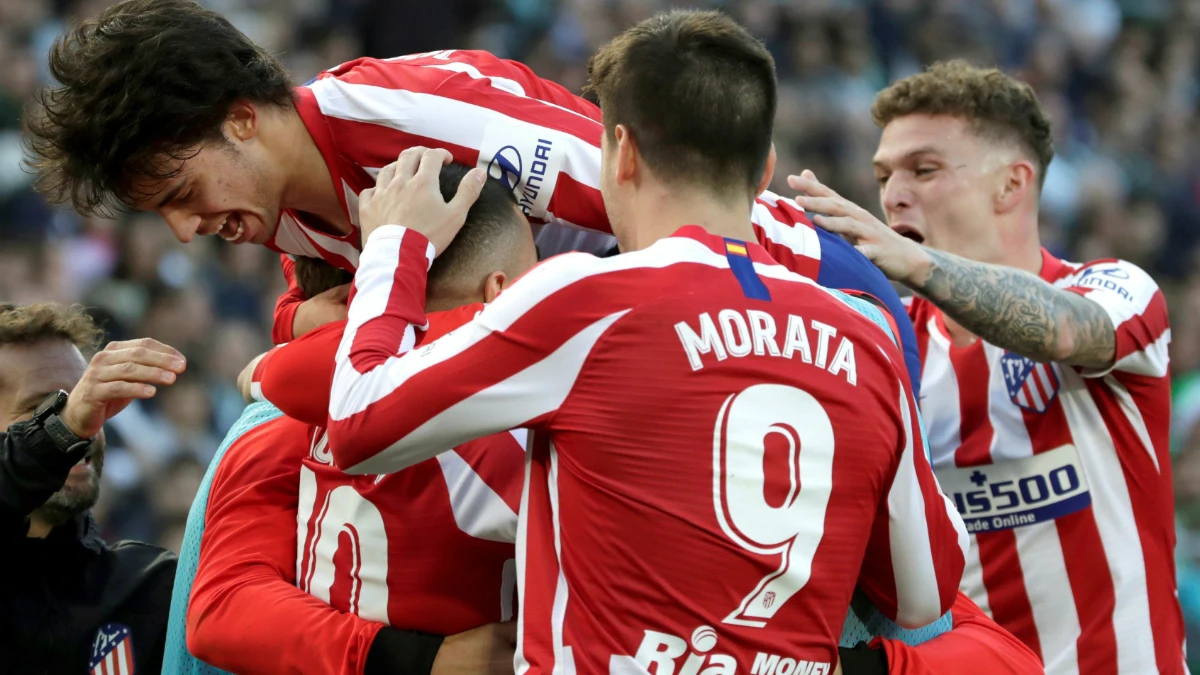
x=116, y=375
x=407, y=193
x=321, y=309
x=899, y=258
x=480, y=651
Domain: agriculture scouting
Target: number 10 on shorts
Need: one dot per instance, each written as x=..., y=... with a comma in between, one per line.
x=792, y=522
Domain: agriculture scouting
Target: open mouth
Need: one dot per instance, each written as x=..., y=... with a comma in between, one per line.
x=909, y=232
x=234, y=229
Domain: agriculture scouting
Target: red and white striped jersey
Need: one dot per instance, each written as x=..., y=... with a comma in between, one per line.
x=721, y=450
x=1064, y=479
x=429, y=548
x=540, y=140
x=533, y=135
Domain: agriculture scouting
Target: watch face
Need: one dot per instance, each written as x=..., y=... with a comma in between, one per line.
x=51, y=404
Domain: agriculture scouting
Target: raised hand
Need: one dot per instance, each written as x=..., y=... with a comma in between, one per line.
x=900, y=259
x=406, y=193
x=121, y=372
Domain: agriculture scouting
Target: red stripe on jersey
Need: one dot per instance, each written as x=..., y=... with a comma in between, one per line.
x=372, y=346
x=1005, y=583
x=1152, y=500
x=1145, y=329
x=492, y=458
x=971, y=370
x=578, y=203
x=539, y=581
x=1083, y=556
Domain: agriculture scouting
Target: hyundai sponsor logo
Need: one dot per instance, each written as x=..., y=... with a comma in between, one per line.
x=506, y=167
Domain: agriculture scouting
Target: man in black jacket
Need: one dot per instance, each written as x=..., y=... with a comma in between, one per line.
x=68, y=600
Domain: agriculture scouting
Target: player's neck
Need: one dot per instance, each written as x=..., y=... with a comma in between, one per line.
x=309, y=184
x=665, y=211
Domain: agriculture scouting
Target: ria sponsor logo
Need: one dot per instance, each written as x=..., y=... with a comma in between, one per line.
x=660, y=654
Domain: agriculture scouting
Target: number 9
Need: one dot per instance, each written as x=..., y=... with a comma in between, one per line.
x=793, y=529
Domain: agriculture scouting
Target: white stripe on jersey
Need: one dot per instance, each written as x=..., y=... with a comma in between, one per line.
x=1044, y=571
x=520, y=663
x=435, y=117
x=1118, y=529
x=563, y=662
x=941, y=413
x=478, y=510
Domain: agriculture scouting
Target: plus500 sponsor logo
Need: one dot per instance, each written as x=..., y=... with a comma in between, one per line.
x=663, y=654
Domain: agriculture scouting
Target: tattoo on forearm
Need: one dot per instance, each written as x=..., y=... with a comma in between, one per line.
x=1017, y=311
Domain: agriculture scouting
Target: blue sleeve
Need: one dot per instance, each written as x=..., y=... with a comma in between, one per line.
x=843, y=267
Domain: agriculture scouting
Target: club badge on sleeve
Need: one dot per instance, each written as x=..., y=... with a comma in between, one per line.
x=112, y=651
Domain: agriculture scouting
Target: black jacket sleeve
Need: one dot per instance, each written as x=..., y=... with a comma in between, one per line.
x=31, y=469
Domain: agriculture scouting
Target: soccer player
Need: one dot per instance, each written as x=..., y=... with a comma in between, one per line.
x=634, y=536
x=305, y=569
x=1047, y=395
x=163, y=105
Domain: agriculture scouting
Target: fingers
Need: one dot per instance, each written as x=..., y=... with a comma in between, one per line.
x=832, y=206
x=143, y=343
x=468, y=190
x=144, y=352
x=133, y=372
x=365, y=198
x=807, y=183
x=117, y=391
x=410, y=160
x=385, y=176
x=847, y=227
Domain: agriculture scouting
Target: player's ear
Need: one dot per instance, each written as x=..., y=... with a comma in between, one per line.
x=1017, y=183
x=628, y=156
x=493, y=284
x=768, y=172
x=242, y=122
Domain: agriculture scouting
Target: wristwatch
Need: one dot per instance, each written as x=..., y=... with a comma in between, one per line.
x=46, y=416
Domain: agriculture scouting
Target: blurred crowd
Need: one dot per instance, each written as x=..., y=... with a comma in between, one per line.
x=1118, y=77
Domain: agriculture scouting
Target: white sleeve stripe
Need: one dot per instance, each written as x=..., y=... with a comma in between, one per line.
x=477, y=509
x=918, y=598
x=800, y=239
x=539, y=389
x=502, y=83
x=446, y=120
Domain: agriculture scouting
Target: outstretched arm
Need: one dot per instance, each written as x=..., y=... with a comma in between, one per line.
x=1007, y=307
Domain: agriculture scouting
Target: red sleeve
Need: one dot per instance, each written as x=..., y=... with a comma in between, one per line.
x=246, y=576
x=285, y=306
x=296, y=377
x=539, y=139
x=976, y=644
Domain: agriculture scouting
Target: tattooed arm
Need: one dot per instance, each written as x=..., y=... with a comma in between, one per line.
x=1005, y=306
x=1017, y=311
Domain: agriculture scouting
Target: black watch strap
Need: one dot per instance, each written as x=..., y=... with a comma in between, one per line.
x=47, y=417
x=64, y=439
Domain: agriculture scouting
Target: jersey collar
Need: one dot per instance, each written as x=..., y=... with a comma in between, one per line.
x=718, y=244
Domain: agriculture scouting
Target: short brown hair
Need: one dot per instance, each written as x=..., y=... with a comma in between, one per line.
x=998, y=106
x=27, y=324
x=146, y=81
x=697, y=92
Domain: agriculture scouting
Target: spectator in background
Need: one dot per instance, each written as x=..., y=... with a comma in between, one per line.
x=69, y=600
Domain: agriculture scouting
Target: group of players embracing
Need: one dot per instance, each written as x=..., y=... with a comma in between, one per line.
x=723, y=445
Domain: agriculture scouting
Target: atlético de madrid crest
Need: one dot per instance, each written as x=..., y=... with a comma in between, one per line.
x=112, y=651
x=1032, y=386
